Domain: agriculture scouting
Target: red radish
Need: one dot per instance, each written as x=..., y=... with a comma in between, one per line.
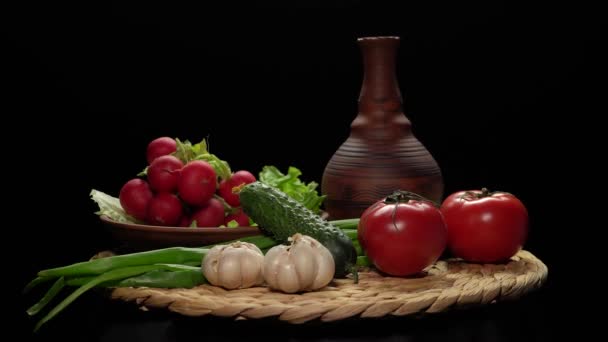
x=237, y=179
x=134, y=196
x=165, y=209
x=210, y=215
x=239, y=216
x=163, y=173
x=185, y=221
x=160, y=147
x=197, y=183
x=242, y=176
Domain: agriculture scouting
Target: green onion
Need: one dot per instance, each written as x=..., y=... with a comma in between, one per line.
x=113, y=275
x=175, y=267
x=346, y=223
x=363, y=261
x=48, y=297
x=35, y=282
x=173, y=255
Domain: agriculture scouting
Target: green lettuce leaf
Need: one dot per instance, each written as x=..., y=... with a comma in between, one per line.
x=292, y=185
x=110, y=206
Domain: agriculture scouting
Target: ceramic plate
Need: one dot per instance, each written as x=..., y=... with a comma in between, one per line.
x=141, y=236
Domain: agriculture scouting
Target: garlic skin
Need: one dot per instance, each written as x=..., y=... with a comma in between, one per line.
x=305, y=265
x=234, y=266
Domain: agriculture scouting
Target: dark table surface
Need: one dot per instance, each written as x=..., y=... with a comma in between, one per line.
x=94, y=317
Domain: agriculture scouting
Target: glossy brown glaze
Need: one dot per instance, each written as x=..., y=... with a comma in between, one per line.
x=147, y=237
x=381, y=154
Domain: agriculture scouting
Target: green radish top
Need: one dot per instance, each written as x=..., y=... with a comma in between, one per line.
x=280, y=216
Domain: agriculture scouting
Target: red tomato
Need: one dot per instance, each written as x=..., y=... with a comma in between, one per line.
x=485, y=226
x=402, y=234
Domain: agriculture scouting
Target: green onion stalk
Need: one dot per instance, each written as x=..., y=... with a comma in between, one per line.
x=174, y=267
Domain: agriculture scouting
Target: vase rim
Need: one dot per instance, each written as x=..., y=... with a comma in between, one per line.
x=367, y=38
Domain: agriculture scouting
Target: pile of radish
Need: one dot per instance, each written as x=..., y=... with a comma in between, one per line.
x=185, y=186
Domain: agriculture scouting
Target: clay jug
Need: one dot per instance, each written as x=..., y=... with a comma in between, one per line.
x=381, y=154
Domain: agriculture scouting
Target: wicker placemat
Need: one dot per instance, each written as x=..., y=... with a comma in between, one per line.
x=448, y=284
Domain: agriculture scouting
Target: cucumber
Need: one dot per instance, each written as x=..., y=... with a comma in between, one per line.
x=281, y=216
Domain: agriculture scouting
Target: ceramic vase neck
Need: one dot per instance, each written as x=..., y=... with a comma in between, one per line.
x=380, y=101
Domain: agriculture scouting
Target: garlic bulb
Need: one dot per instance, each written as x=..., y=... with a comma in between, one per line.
x=234, y=266
x=305, y=265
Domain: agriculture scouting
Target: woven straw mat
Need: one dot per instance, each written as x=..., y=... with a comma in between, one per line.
x=447, y=284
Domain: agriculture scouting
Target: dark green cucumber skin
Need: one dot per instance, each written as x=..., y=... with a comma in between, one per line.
x=281, y=216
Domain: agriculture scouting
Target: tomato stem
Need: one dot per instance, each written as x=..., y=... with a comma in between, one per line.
x=403, y=196
x=474, y=195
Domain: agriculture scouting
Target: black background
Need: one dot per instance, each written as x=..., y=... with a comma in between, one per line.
x=503, y=95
